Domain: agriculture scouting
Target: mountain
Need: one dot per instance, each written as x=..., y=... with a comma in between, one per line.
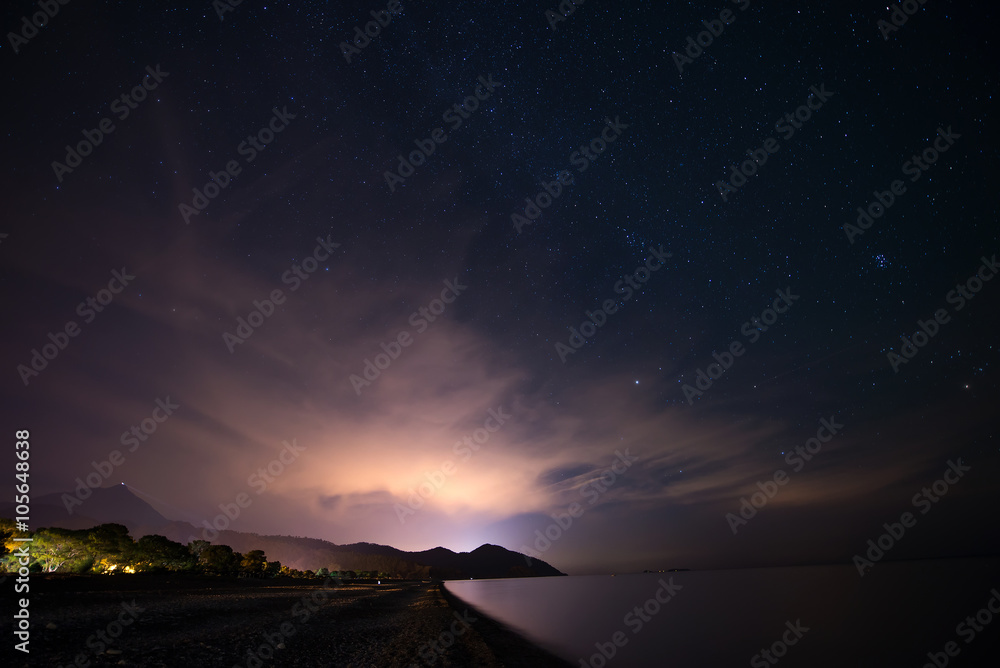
x=115, y=504
x=486, y=561
x=119, y=505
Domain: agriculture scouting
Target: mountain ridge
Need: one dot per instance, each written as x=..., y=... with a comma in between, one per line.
x=119, y=505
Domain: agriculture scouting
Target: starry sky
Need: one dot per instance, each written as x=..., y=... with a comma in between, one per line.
x=471, y=311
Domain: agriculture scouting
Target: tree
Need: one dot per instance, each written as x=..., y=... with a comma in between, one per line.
x=155, y=552
x=8, y=560
x=219, y=560
x=6, y=534
x=197, y=546
x=55, y=549
x=111, y=547
x=253, y=564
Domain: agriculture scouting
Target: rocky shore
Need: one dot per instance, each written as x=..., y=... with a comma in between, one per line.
x=160, y=621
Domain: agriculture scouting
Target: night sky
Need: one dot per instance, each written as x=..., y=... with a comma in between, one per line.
x=460, y=311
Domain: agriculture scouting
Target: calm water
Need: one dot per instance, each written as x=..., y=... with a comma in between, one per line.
x=828, y=615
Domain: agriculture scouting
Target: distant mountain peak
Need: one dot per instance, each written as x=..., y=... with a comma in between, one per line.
x=118, y=504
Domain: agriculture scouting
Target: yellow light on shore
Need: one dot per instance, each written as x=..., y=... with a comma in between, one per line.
x=110, y=568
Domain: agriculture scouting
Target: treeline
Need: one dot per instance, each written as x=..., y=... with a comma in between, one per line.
x=108, y=548
x=312, y=552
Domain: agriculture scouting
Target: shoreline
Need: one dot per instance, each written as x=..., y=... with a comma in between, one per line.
x=509, y=646
x=163, y=620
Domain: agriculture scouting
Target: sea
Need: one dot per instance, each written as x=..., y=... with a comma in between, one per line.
x=933, y=613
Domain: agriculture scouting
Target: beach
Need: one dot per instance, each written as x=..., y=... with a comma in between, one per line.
x=169, y=620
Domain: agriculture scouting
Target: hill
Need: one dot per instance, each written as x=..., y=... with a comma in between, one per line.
x=486, y=561
x=120, y=505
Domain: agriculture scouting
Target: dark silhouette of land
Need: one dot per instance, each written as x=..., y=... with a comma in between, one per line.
x=119, y=505
x=185, y=620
